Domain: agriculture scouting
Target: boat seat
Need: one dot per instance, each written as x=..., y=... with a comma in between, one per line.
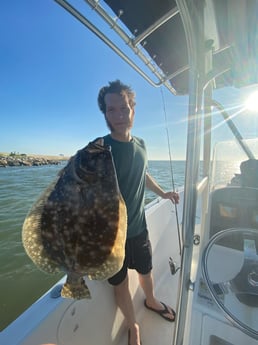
x=233, y=207
x=249, y=173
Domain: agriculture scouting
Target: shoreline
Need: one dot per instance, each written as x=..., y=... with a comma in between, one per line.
x=10, y=160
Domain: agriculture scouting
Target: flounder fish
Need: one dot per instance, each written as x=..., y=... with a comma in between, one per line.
x=78, y=225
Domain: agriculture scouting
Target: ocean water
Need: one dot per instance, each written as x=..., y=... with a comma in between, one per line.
x=21, y=282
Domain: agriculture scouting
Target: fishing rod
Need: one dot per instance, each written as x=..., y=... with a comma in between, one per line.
x=171, y=262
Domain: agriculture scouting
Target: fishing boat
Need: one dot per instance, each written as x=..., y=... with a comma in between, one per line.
x=204, y=249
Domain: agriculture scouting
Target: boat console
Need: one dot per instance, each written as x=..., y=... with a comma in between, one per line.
x=233, y=207
x=226, y=289
x=231, y=276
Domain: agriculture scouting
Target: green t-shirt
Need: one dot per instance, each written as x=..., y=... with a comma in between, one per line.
x=130, y=159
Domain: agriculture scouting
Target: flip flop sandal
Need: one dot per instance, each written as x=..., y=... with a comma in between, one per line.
x=162, y=312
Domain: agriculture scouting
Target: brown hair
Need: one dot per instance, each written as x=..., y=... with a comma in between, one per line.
x=115, y=87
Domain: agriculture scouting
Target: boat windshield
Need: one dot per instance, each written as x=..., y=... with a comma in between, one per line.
x=227, y=159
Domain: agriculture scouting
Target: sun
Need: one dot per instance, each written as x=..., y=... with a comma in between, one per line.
x=251, y=102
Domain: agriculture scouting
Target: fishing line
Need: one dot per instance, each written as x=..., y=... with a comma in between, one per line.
x=171, y=167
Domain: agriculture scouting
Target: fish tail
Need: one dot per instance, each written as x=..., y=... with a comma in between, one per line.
x=77, y=290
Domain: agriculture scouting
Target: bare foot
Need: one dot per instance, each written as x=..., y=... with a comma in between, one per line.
x=134, y=335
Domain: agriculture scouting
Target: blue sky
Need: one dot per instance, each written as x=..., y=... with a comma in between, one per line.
x=51, y=70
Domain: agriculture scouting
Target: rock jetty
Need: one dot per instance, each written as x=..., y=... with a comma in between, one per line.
x=25, y=160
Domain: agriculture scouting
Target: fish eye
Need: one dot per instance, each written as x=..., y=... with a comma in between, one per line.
x=91, y=165
x=94, y=163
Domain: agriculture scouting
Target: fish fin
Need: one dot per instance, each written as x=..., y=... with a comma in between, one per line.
x=75, y=290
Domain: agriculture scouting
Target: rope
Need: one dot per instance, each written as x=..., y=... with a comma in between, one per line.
x=171, y=168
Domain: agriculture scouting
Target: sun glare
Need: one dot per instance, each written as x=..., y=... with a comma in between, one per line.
x=252, y=102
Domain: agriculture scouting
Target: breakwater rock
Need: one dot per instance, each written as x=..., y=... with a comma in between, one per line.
x=24, y=160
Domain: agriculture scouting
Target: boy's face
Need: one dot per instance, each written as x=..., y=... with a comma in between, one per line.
x=119, y=114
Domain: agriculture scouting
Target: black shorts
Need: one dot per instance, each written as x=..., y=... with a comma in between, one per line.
x=138, y=256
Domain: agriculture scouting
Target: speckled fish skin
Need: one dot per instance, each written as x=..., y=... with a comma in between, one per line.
x=78, y=225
